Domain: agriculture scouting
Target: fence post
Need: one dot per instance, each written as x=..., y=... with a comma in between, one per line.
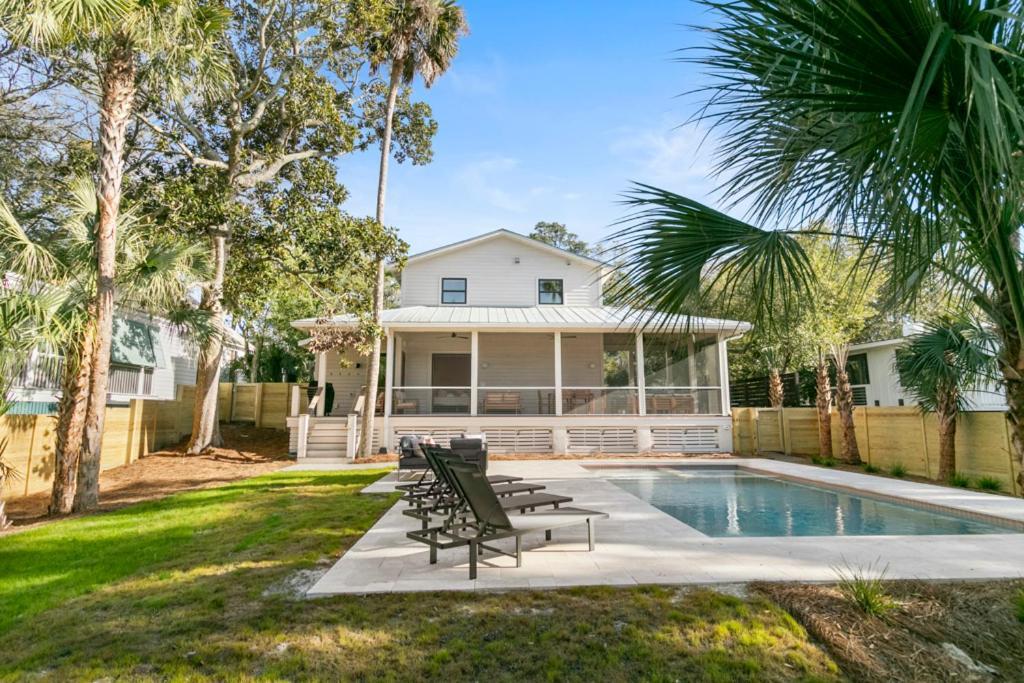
x=755, y=439
x=258, y=408
x=294, y=411
x=782, y=431
x=133, y=428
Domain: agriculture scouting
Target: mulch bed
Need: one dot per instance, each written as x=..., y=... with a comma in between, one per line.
x=916, y=639
x=248, y=452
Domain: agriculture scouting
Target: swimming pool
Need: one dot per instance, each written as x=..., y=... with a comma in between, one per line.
x=729, y=501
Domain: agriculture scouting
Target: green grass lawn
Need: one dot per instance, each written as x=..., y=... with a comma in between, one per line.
x=187, y=587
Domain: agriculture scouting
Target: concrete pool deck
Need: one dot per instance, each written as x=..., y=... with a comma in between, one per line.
x=640, y=544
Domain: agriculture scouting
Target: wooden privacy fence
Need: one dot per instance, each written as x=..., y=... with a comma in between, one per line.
x=27, y=442
x=886, y=436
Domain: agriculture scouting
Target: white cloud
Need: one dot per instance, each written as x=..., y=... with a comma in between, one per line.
x=679, y=159
x=488, y=179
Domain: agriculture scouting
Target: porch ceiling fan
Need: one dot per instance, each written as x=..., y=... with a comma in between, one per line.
x=453, y=335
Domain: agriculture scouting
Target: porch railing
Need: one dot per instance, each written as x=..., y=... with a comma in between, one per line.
x=542, y=400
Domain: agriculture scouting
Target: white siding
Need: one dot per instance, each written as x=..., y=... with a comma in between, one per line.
x=493, y=278
x=347, y=379
x=885, y=384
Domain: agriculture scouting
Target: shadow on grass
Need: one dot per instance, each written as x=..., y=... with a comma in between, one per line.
x=179, y=588
x=43, y=567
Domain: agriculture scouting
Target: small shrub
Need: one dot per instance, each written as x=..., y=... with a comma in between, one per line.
x=898, y=470
x=990, y=484
x=865, y=588
x=1020, y=605
x=959, y=479
x=824, y=462
x=871, y=469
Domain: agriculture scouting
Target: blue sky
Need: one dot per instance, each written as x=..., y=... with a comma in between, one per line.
x=549, y=111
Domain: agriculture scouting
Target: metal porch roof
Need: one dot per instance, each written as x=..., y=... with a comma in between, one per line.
x=548, y=318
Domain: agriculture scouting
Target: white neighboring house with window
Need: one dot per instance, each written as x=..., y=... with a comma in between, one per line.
x=506, y=336
x=149, y=358
x=876, y=383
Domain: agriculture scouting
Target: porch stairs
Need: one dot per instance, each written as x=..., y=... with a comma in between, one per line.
x=326, y=441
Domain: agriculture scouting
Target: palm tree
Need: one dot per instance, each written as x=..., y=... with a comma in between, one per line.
x=25, y=322
x=938, y=366
x=420, y=37
x=155, y=273
x=173, y=36
x=898, y=122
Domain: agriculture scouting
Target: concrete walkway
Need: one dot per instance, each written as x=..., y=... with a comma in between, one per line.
x=639, y=544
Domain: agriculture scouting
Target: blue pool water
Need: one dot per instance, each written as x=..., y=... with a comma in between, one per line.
x=723, y=501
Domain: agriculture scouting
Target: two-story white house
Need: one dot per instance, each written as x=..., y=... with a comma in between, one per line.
x=506, y=336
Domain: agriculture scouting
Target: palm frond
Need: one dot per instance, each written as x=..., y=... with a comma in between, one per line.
x=28, y=259
x=949, y=358
x=680, y=257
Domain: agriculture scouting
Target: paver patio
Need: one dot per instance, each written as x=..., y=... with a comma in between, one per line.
x=640, y=544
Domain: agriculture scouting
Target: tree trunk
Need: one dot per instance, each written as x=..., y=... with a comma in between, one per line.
x=823, y=401
x=373, y=366
x=844, y=404
x=205, y=426
x=1012, y=367
x=74, y=401
x=118, y=94
x=946, y=415
x=775, y=390
x=254, y=363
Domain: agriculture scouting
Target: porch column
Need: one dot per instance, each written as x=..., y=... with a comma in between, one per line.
x=723, y=374
x=641, y=381
x=389, y=383
x=321, y=381
x=474, y=364
x=558, y=373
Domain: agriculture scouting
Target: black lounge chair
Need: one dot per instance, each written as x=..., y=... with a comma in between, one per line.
x=439, y=488
x=454, y=505
x=491, y=522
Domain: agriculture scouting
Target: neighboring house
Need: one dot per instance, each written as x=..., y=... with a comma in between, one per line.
x=876, y=383
x=506, y=336
x=149, y=358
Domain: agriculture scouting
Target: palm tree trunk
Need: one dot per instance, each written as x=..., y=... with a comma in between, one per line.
x=373, y=366
x=118, y=95
x=205, y=426
x=844, y=405
x=946, y=415
x=775, y=389
x=74, y=401
x=1012, y=367
x=254, y=364
x=823, y=401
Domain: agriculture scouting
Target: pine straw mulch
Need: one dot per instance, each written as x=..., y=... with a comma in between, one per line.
x=247, y=452
x=912, y=641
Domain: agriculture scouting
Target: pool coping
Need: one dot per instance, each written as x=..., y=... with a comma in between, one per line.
x=639, y=544
x=1014, y=525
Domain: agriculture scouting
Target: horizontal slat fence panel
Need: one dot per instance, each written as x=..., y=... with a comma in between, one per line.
x=886, y=436
x=27, y=442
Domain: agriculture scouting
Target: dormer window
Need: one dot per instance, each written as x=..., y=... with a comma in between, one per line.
x=453, y=290
x=549, y=292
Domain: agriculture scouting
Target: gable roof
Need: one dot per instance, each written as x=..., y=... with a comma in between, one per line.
x=487, y=236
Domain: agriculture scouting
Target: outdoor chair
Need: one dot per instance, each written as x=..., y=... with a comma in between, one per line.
x=411, y=458
x=455, y=507
x=492, y=523
x=439, y=488
x=502, y=402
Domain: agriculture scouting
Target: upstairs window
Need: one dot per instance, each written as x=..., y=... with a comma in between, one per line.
x=453, y=290
x=549, y=291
